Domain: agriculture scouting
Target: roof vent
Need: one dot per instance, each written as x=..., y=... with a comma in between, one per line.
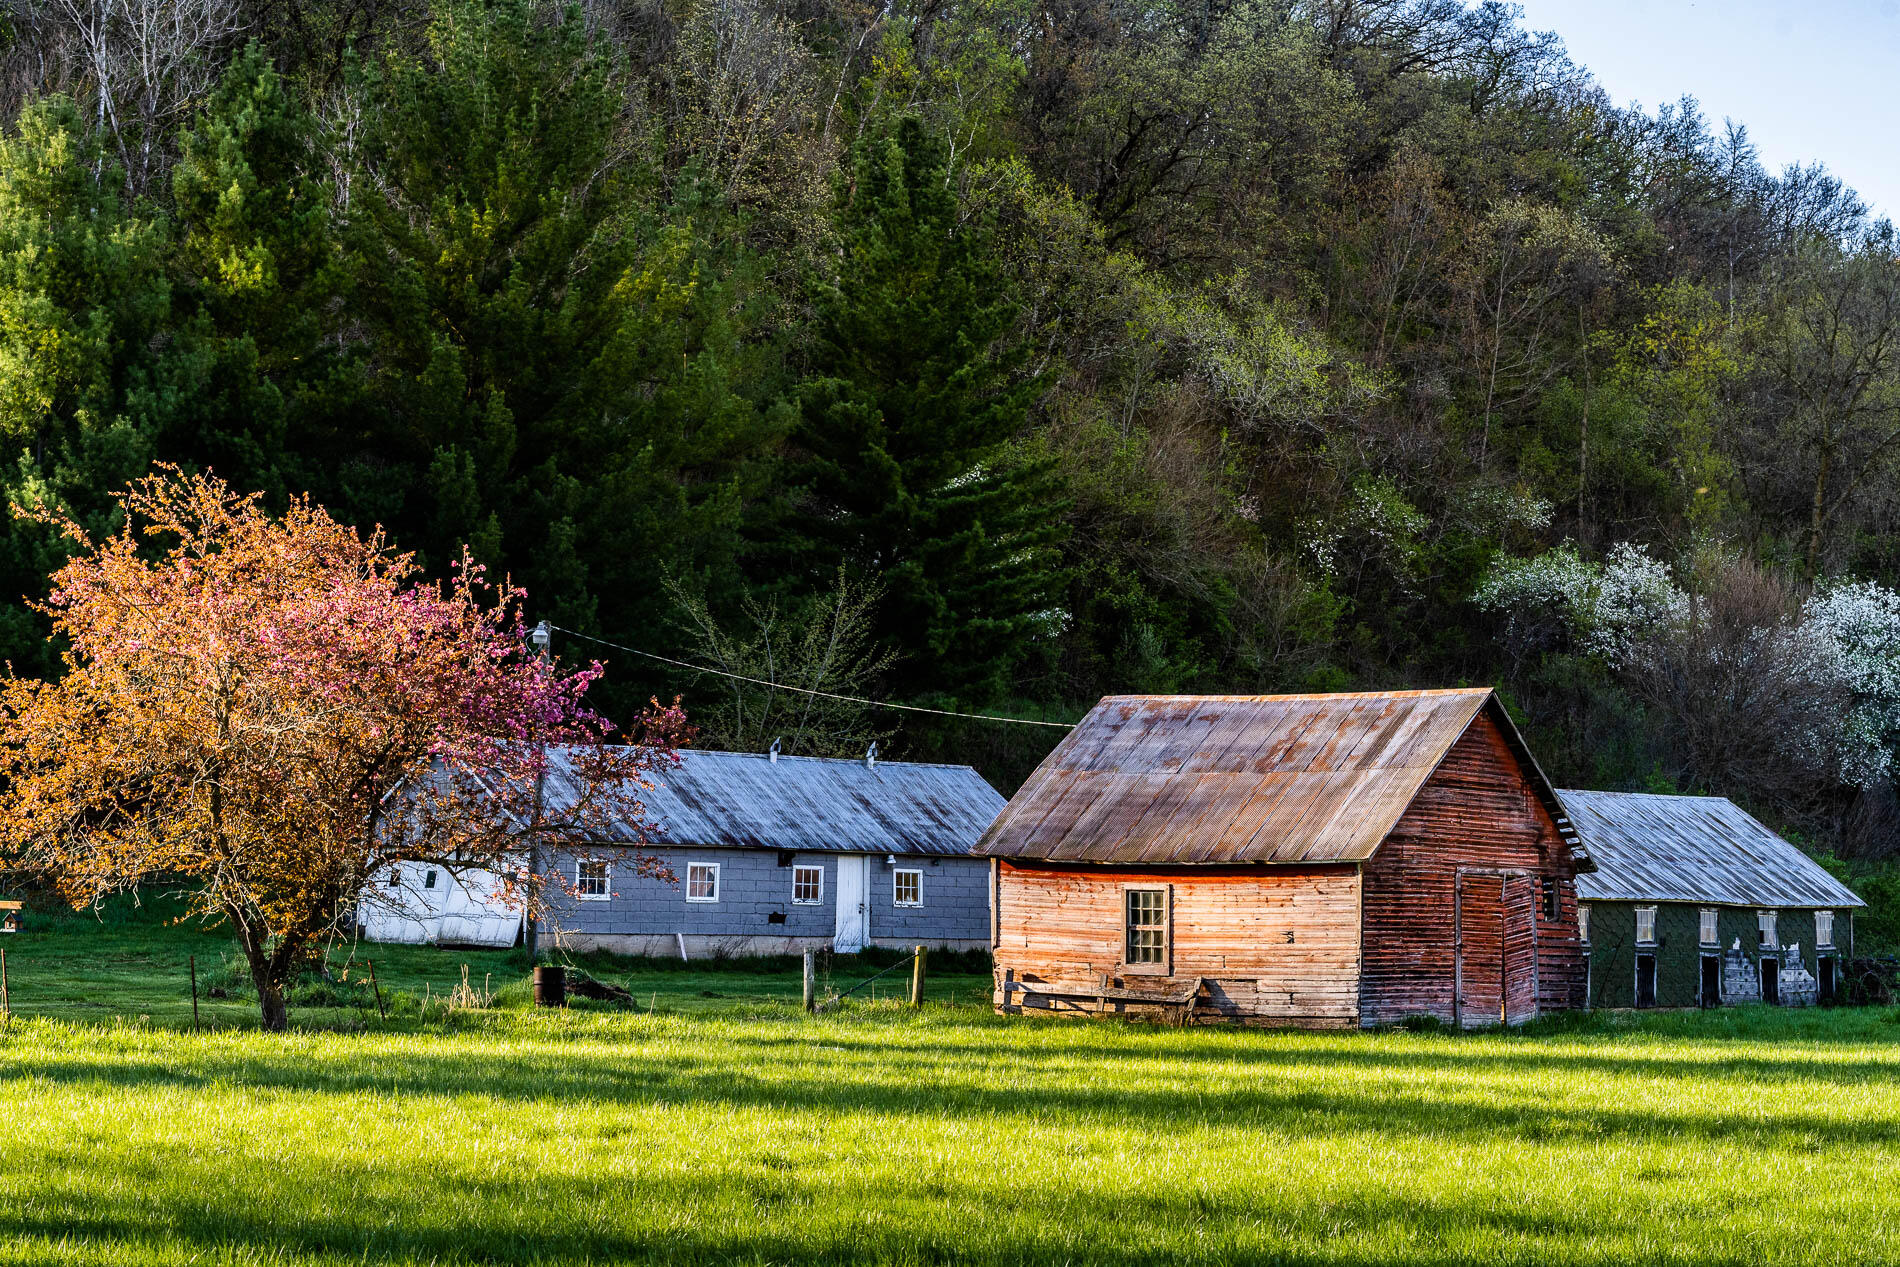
x=773, y=752
x=870, y=755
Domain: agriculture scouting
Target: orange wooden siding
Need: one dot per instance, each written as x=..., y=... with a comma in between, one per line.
x=1275, y=945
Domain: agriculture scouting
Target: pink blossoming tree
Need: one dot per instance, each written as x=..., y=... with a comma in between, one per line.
x=267, y=713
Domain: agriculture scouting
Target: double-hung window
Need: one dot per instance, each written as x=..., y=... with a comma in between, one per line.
x=1824, y=929
x=592, y=880
x=1145, y=927
x=907, y=888
x=702, y=882
x=1765, y=923
x=1646, y=926
x=808, y=885
x=1709, y=936
x=1583, y=923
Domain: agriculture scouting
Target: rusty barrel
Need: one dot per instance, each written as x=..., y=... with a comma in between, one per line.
x=550, y=985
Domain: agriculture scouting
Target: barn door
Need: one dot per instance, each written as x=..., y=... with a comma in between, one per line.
x=1520, y=949
x=1479, y=914
x=1495, y=918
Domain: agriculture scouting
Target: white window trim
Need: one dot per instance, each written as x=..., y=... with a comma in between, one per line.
x=1765, y=922
x=903, y=871
x=1827, y=942
x=708, y=866
x=1583, y=922
x=1651, y=939
x=1709, y=925
x=808, y=901
x=607, y=877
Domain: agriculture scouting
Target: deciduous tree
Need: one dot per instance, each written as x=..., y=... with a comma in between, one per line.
x=265, y=713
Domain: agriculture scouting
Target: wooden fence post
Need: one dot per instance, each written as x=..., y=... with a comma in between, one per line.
x=811, y=981
x=917, y=979
x=193, y=961
x=380, y=1009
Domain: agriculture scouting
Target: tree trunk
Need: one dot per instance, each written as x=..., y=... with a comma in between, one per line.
x=1817, y=525
x=270, y=1000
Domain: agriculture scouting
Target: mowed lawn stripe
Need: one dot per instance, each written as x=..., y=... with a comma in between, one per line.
x=881, y=1135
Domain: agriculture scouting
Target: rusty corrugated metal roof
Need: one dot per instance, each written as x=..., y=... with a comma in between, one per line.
x=1238, y=778
x=1703, y=849
x=743, y=800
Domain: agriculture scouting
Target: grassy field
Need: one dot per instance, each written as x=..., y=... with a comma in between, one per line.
x=746, y=1132
x=132, y=962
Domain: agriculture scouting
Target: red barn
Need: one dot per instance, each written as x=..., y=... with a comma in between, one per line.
x=1317, y=860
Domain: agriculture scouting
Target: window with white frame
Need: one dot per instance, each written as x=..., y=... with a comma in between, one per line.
x=907, y=888
x=1646, y=926
x=1709, y=936
x=1583, y=922
x=808, y=885
x=702, y=882
x=591, y=880
x=1765, y=924
x=1824, y=928
x=1146, y=926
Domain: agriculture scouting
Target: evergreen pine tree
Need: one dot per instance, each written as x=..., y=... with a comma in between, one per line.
x=902, y=463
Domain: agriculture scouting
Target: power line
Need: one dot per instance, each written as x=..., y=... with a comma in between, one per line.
x=780, y=686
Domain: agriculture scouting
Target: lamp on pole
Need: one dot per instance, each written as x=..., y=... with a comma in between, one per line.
x=541, y=636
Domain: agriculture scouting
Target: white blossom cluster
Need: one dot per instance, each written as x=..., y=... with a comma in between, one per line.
x=1852, y=631
x=1606, y=608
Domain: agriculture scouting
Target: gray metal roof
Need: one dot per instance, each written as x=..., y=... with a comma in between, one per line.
x=743, y=800
x=1692, y=849
x=1241, y=778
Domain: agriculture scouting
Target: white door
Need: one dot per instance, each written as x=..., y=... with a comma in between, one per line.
x=854, y=903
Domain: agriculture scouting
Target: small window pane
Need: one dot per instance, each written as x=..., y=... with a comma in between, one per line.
x=1147, y=925
x=395, y=877
x=1553, y=900
x=1646, y=925
x=808, y=885
x=592, y=880
x=1583, y=922
x=1765, y=921
x=1708, y=926
x=428, y=881
x=907, y=888
x=1824, y=928
x=702, y=882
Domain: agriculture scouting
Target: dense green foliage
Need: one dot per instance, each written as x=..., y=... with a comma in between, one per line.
x=747, y=1132
x=1106, y=349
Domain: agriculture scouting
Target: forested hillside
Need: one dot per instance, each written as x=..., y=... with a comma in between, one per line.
x=996, y=356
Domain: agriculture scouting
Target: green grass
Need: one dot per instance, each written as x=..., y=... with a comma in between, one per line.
x=747, y=1132
x=131, y=962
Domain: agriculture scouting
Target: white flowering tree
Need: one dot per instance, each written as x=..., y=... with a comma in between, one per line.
x=1755, y=689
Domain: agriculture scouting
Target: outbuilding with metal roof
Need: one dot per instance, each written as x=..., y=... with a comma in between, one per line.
x=1695, y=902
x=1319, y=860
x=767, y=854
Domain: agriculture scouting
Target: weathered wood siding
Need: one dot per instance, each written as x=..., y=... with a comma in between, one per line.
x=1478, y=812
x=1276, y=946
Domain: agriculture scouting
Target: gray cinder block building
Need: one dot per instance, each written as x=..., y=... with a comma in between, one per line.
x=1694, y=902
x=773, y=854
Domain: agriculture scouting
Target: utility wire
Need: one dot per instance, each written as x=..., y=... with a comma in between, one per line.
x=780, y=686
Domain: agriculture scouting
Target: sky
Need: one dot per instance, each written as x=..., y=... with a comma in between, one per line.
x=1814, y=80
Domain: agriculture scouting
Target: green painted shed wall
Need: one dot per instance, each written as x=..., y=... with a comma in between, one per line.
x=1679, y=951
